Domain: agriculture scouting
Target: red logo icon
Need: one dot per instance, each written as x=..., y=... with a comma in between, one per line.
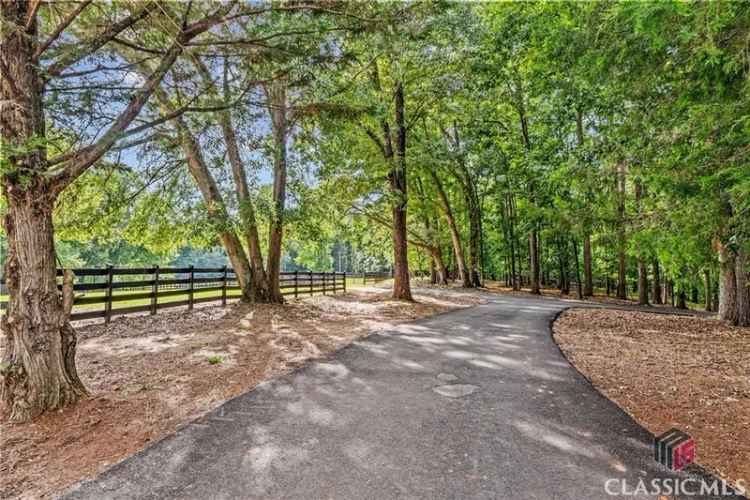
x=674, y=449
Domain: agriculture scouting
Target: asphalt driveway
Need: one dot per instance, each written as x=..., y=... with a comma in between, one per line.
x=478, y=403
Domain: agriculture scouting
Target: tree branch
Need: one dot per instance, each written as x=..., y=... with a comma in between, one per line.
x=60, y=28
x=372, y=135
x=31, y=16
x=87, y=48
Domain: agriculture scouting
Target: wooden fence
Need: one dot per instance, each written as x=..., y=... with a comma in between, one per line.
x=372, y=276
x=143, y=287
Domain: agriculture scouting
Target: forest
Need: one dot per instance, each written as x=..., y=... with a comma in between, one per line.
x=585, y=146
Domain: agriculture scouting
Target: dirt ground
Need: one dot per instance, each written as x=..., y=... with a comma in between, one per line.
x=150, y=374
x=669, y=371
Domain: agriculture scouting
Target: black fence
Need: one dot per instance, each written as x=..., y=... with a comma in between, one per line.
x=142, y=288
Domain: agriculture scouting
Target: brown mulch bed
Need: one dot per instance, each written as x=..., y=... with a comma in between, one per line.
x=148, y=375
x=668, y=371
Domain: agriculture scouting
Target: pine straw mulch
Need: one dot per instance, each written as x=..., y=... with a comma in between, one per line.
x=150, y=374
x=669, y=371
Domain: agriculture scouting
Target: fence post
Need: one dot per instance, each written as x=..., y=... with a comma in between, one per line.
x=108, y=303
x=311, y=283
x=296, y=280
x=364, y=277
x=155, y=290
x=191, y=288
x=324, y=282
x=344, y=276
x=224, y=288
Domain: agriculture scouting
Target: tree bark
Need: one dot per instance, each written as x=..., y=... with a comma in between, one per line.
x=259, y=291
x=743, y=292
x=588, y=279
x=533, y=237
x=475, y=237
x=656, y=292
x=588, y=276
x=642, y=267
x=441, y=273
x=534, y=262
x=727, y=284
x=468, y=186
x=277, y=107
x=458, y=250
x=579, y=286
x=397, y=178
x=622, y=292
x=38, y=366
x=260, y=288
x=562, y=258
x=513, y=253
x=214, y=201
x=681, y=298
x=707, y=289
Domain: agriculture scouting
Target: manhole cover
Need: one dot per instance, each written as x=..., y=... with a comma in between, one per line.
x=455, y=390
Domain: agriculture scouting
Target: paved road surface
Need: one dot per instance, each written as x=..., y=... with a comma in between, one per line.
x=477, y=403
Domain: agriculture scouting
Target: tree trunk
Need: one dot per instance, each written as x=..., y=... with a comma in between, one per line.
x=642, y=268
x=458, y=250
x=534, y=262
x=38, y=366
x=260, y=288
x=715, y=307
x=520, y=106
x=656, y=292
x=588, y=280
x=397, y=178
x=670, y=288
x=727, y=285
x=707, y=289
x=564, y=284
x=743, y=292
x=681, y=299
x=622, y=292
x=277, y=107
x=441, y=273
x=579, y=286
x=215, y=206
x=513, y=253
x=475, y=237
x=468, y=186
x=588, y=276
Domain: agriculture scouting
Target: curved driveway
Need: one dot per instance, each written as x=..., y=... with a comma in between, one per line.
x=477, y=403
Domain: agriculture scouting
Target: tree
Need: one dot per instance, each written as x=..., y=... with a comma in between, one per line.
x=38, y=369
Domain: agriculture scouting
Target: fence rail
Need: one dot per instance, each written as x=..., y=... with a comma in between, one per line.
x=100, y=286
